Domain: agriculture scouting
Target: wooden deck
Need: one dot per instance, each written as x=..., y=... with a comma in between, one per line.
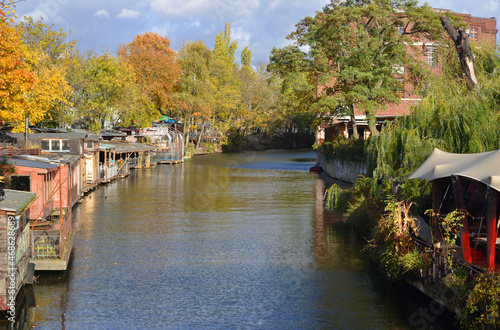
x=56, y=264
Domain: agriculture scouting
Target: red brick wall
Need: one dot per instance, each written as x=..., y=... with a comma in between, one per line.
x=486, y=27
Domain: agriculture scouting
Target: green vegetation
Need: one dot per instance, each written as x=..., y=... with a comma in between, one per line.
x=482, y=308
x=342, y=148
x=361, y=45
x=391, y=247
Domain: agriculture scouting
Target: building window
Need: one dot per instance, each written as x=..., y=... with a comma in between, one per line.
x=45, y=145
x=431, y=56
x=20, y=182
x=55, y=145
x=401, y=29
x=473, y=33
x=90, y=144
x=65, y=145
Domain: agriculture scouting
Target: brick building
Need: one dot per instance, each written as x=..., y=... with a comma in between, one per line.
x=481, y=30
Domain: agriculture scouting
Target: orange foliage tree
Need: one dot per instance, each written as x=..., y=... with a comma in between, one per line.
x=16, y=79
x=155, y=65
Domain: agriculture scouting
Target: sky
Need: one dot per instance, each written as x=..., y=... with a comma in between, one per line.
x=260, y=25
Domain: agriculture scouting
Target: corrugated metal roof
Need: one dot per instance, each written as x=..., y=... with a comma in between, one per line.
x=31, y=163
x=123, y=147
x=78, y=134
x=17, y=201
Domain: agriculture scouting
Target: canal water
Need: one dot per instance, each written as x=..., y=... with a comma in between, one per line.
x=221, y=241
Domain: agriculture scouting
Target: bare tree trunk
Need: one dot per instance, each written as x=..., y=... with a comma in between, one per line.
x=355, y=134
x=200, y=137
x=461, y=40
x=372, y=124
x=186, y=132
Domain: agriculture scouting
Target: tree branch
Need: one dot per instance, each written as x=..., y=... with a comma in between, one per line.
x=461, y=40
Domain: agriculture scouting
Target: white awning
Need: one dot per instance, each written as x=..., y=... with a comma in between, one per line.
x=484, y=167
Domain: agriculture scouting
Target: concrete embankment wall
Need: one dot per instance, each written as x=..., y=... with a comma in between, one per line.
x=345, y=170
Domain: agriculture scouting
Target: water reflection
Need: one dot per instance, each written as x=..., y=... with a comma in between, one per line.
x=223, y=241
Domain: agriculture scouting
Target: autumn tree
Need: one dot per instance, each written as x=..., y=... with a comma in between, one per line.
x=261, y=95
x=156, y=67
x=258, y=95
x=247, y=78
x=8, y=10
x=48, y=50
x=227, y=97
x=106, y=90
x=358, y=48
x=195, y=95
x=16, y=78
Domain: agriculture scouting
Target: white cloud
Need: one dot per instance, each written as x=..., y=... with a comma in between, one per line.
x=37, y=14
x=128, y=13
x=101, y=13
x=491, y=6
x=241, y=36
x=195, y=24
x=222, y=8
x=163, y=30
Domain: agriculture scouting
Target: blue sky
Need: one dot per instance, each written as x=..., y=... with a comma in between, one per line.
x=103, y=25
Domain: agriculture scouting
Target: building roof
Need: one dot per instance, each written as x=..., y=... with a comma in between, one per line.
x=38, y=162
x=124, y=147
x=77, y=134
x=17, y=201
x=481, y=167
x=112, y=133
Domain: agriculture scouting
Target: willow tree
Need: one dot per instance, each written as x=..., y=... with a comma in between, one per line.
x=450, y=118
x=359, y=48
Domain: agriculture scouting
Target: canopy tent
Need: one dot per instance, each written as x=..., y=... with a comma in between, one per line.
x=483, y=167
x=167, y=119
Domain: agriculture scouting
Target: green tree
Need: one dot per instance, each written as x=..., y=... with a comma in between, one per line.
x=227, y=96
x=195, y=89
x=262, y=95
x=358, y=48
x=107, y=80
x=296, y=104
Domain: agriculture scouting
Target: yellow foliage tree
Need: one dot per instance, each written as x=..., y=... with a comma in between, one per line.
x=16, y=77
x=46, y=50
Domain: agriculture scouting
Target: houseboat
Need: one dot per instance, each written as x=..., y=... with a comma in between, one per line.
x=55, y=181
x=469, y=183
x=16, y=268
